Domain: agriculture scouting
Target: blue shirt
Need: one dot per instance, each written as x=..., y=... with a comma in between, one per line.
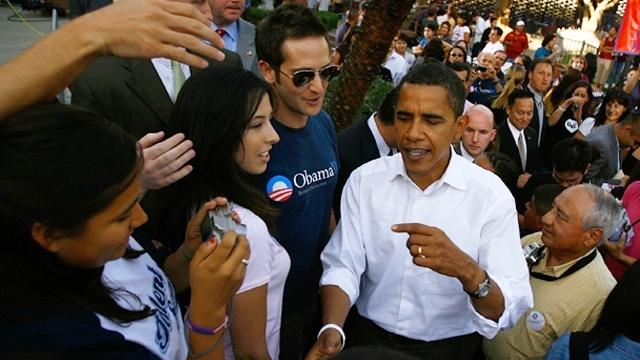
x=231, y=37
x=622, y=348
x=299, y=181
x=482, y=92
x=542, y=52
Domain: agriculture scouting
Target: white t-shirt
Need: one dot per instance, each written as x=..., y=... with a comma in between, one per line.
x=269, y=264
x=493, y=47
x=162, y=333
x=586, y=126
x=458, y=33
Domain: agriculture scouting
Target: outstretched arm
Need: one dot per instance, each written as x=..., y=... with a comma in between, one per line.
x=129, y=28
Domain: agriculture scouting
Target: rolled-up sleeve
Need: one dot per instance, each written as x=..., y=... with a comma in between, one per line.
x=343, y=259
x=500, y=255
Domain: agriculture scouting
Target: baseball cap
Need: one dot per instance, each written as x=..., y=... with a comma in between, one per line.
x=520, y=23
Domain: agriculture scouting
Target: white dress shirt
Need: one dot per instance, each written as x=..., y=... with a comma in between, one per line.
x=516, y=134
x=397, y=65
x=465, y=155
x=383, y=147
x=163, y=68
x=373, y=266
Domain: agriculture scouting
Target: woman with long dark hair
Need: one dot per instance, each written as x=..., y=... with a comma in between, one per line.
x=616, y=335
x=74, y=283
x=226, y=112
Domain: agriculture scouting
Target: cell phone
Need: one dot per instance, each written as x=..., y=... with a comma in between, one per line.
x=218, y=221
x=480, y=68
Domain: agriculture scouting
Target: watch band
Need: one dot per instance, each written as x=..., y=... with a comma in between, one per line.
x=483, y=288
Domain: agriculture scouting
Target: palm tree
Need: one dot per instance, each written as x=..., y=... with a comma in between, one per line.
x=380, y=24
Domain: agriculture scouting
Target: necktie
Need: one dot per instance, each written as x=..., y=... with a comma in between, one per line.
x=221, y=32
x=522, y=150
x=540, y=108
x=178, y=78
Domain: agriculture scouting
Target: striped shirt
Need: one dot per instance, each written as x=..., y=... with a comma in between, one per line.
x=568, y=304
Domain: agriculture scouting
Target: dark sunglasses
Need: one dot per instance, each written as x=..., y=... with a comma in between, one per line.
x=304, y=77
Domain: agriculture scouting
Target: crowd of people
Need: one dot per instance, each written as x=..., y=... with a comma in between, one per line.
x=195, y=200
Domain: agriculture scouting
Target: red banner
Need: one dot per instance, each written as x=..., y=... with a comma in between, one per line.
x=628, y=41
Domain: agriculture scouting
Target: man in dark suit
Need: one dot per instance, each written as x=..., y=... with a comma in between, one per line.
x=539, y=76
x=238, y=34
x=129, y=92
x=365, y=140
x=518, y=140
x=608, y=140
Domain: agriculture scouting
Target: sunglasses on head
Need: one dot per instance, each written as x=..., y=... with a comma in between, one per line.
x=304, y=77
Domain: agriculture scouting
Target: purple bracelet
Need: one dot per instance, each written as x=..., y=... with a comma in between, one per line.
x=205, y=330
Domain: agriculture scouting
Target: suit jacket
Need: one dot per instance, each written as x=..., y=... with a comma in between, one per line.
x=356, y=146
x=605, y=166
x=509, y=147
x=129, y=92
x=246, y=46
x=456, y=148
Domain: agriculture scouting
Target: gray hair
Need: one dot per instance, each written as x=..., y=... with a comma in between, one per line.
x=607, y=212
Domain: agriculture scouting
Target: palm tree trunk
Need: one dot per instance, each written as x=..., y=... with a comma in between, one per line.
x=379, y=26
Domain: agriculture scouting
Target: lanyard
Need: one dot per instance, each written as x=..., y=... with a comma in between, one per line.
x=575, y=267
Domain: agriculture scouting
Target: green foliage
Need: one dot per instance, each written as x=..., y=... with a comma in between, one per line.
x=254, y=15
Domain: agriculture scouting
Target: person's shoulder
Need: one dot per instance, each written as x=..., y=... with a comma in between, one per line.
x=598, y=133
x=322, y=119
x=603, y=280
x=377, y=167
x=353, y=131
x=248, y=217
x=108, y=67
x=482, y=181
x=244, y=25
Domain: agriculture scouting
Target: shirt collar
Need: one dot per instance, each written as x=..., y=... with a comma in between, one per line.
x=514, y=130
x=536, y=95
x=382, y=145
x=465, y=154
x=558, y=270
x=231, y=29
x=453, y=175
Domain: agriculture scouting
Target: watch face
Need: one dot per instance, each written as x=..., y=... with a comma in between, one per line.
x=483, y=290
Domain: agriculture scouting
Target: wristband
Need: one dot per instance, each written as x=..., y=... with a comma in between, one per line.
x=561, y=108
x=336, y=328
x=205, y=330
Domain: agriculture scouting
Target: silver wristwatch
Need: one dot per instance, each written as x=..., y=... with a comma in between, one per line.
x=483, y=288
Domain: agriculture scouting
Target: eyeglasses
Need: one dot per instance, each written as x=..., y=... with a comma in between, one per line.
x=304, y=77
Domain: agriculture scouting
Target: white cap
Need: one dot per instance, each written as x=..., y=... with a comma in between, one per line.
x=520, y=23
